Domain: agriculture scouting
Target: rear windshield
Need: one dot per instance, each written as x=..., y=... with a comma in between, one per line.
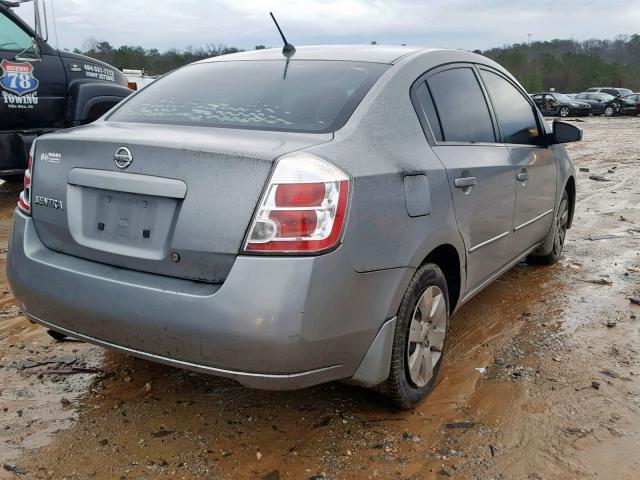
x=306, y=96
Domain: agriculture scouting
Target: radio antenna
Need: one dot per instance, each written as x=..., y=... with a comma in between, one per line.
x=288, y=50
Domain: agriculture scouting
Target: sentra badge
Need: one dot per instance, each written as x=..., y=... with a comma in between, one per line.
x=48, y=202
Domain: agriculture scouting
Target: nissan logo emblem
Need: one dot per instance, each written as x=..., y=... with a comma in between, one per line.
x=123, y=158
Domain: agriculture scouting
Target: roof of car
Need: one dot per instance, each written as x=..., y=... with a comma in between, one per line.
x=356, y=53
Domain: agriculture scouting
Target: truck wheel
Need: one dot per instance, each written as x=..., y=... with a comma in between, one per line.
x=564, y=112
x=558, y=232
x=419, y=339
x=12, y=178
x=609, y=111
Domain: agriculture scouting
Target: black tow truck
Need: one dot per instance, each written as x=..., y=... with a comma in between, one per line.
x=43, y=89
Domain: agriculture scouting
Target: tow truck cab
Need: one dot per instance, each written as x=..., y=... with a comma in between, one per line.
x=43, y=89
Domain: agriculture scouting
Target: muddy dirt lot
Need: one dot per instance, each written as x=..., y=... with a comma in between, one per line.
x=541, y=380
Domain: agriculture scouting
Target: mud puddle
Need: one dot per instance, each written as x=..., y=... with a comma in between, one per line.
x=541, y=380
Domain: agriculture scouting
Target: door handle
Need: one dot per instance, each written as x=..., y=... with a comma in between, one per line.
x=523, y=176
x=465, y=182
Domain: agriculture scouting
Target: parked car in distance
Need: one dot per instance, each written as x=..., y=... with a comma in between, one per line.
x=558, y=104
x=292, y=221
x=601, y=103
x=631, y=104
x=615, y=91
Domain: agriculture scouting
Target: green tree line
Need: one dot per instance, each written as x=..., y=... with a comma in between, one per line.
x=572, y=66
x=151, y=60
x=566, y=65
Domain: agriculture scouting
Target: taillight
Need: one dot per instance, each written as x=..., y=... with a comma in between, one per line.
x=303, y=208
x=24, y=202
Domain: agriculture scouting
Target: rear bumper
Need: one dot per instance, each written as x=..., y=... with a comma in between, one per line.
x=275, y=323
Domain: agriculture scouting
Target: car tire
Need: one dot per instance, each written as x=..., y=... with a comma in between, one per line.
x=564, y=112
x=12, y=178
x=420, y=338
x=609, y=111
x=558, y=234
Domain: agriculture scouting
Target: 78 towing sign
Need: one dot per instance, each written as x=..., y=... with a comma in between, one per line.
x=18, y=78
x=18, y=84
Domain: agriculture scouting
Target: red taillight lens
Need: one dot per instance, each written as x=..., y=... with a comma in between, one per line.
x=303, y=208
x=300, y=194
x=295, y=223
x=24, y=202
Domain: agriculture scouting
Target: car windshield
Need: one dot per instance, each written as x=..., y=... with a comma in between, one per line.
x=606, y=97
x=303, y=96
x=562, y=97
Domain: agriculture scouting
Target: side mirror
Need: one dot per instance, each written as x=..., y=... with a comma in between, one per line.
x=24, y=55
x=565, y=133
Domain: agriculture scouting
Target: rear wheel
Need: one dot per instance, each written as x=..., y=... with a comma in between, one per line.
x=419, y=340
x=608, y=111
x=564, y=112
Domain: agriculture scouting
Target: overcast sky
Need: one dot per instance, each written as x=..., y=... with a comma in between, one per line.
x=467, y=24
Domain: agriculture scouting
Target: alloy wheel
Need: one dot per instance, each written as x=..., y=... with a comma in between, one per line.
x=426, y=336
x=562, y=221
x=564, y=112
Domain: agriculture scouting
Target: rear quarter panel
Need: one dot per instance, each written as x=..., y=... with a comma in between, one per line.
x=381, y=144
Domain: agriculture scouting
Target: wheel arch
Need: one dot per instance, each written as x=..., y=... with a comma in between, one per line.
x=89, y=100
x=570, y=187
x=447, y=258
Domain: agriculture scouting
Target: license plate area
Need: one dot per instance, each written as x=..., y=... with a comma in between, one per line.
x=122, y=223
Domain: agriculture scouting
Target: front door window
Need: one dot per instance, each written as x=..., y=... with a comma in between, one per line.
x=12, y=37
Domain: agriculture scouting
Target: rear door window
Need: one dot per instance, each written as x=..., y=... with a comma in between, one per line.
x=425, y=103
x=302, y=96
x=513, y=111
x=461, y=106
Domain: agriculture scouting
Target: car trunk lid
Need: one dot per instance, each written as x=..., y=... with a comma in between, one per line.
x=180, y=208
